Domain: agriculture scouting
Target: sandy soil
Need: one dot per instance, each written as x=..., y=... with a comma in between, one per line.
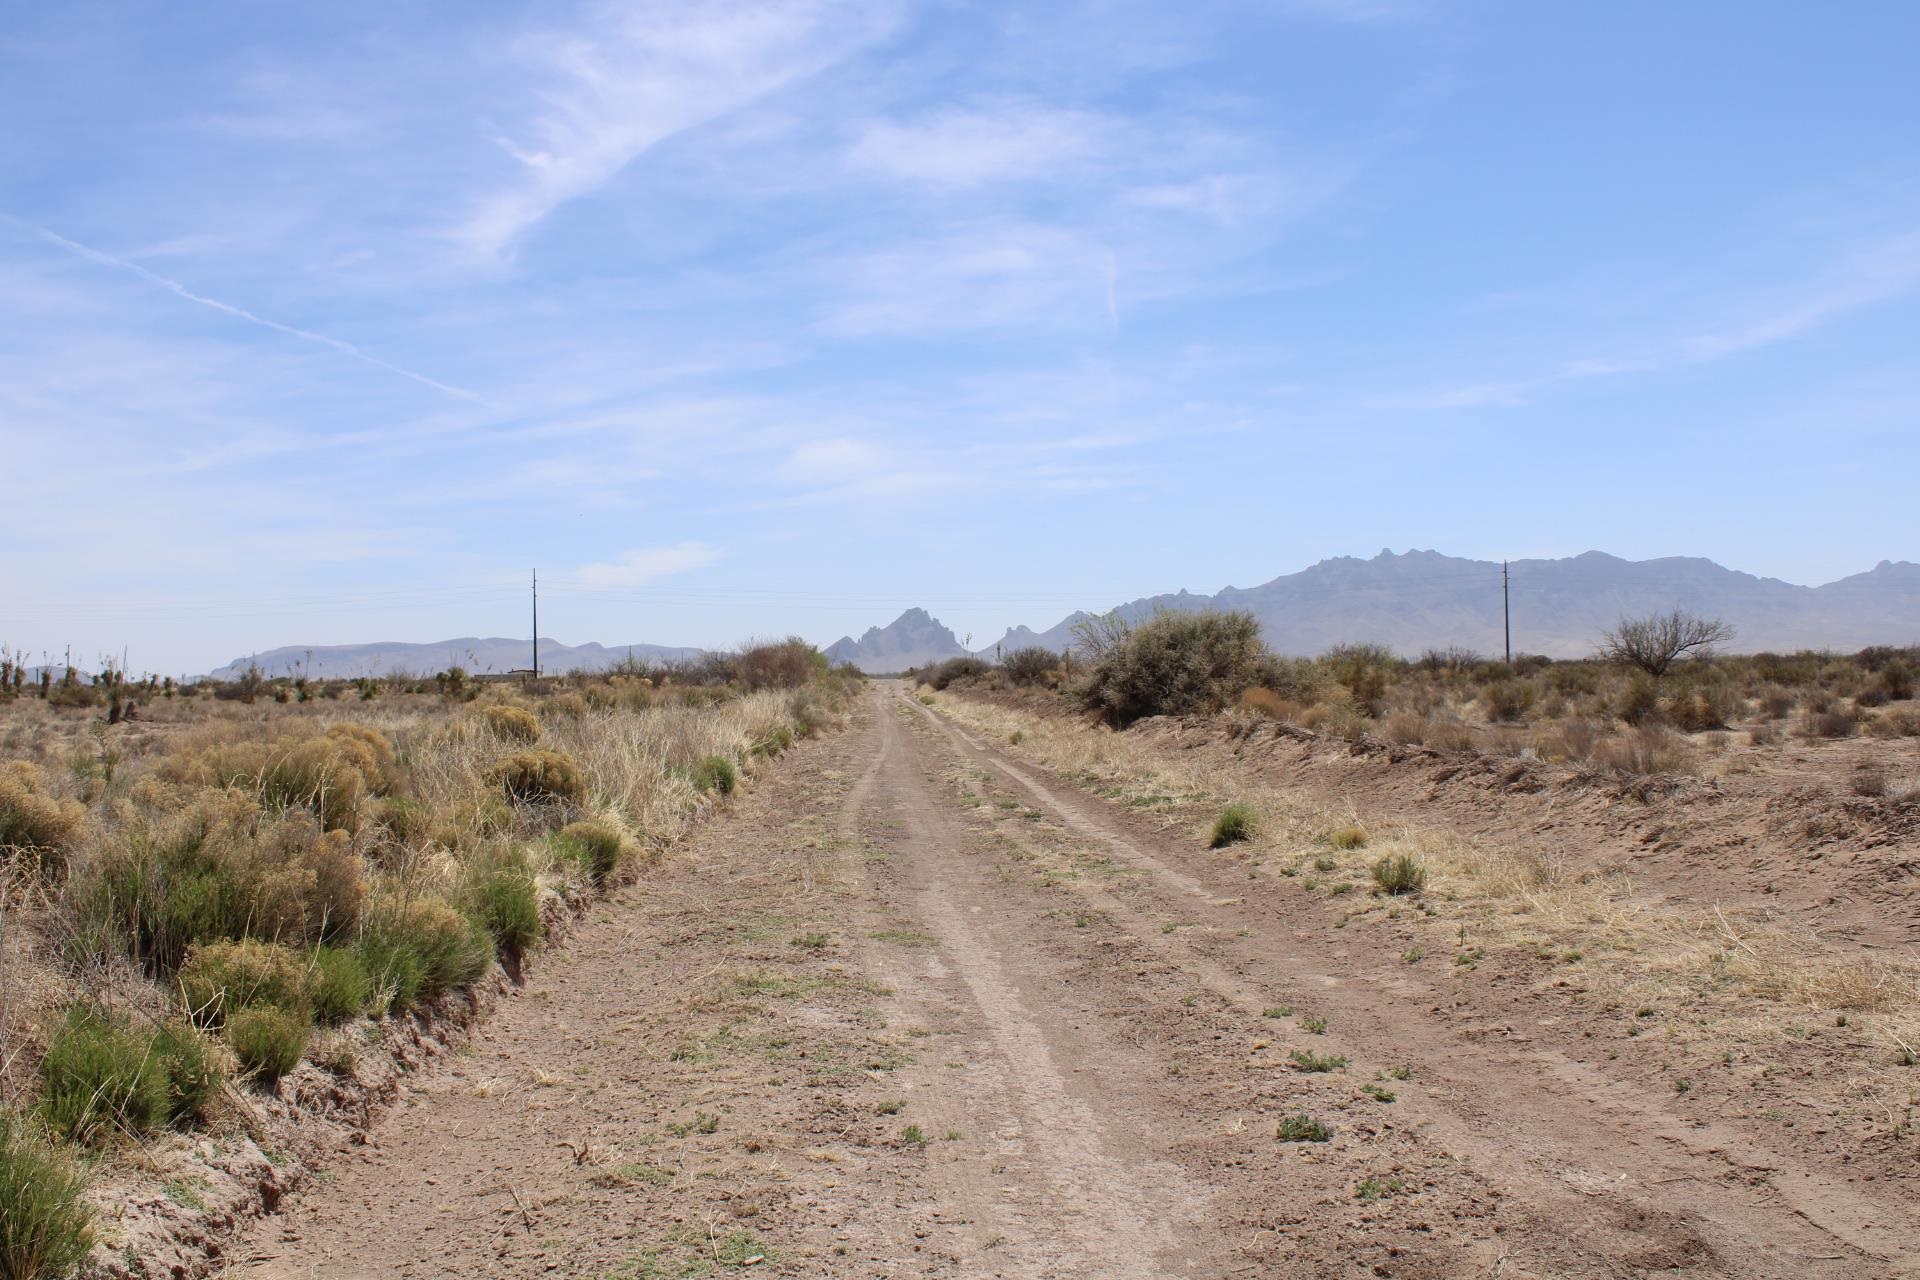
x=917, y=1009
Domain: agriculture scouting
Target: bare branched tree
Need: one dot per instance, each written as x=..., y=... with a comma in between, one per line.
x=1093, y=637
x=1654, y=643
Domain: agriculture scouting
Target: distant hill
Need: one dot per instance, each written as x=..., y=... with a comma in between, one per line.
x=913, y=639
x=1422, y=599
x=493, y=655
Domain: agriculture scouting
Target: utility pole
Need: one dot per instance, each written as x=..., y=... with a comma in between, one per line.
x=536, y=624
x=1506, y=610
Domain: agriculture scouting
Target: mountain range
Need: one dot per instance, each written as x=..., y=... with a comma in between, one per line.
x=492, y=655
x=1424, y=600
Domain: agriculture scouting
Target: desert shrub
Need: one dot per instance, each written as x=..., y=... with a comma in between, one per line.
x=329, y=773
x=98, y=1075
x=1835, y=722
x=220, y=978
x=1896, y=680
x=420, y=948
x=774, y=743
x=1649, y=749
x=46, y=1228
x=1446, y=733
x=1451, y=658
x=1409, y=728
x=596, y=848
x=571, y=705
x=1364, y=671
x=513, y=724
x=1031, y=665
x=407, y=821
x=269, y=1042
x=338, y=985
x=1896, y=722
x=1570, y=678
x=1775, y=703
x=716, y=773
x=1639, y=701
x=811, y=710
x=945, y=673
x=1235, y=824
x=1401, y=873
x=783, y=664
x=192, y=1069
x=1265, y=702
x=32, y=821
x=1350, y=836
x=538, y=777
x=1175, y=664
x=1572, y=739
x=1509, y=700
x=503, y=896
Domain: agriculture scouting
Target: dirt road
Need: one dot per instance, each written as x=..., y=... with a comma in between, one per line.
x=913, y=1009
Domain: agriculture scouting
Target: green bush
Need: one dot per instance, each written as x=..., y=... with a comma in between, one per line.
x=511, y=723
x=940, y=675
x=1509, y=700
x=1235, y=824
x=1031, y=665
x=217, y=870
x=715, y=773
x=1302, y=1128
x=220, y=978
x=338, y=985
x=269, y=1042
x=1364, y=670
x=98, y=1075
x=596, y=848
x=1399, y=874
x=395, y=971
x=46, y=1228
x=774, y=743
x=419, y=948
x=503, y=896
x=1175, y=664
x=192, y=1069
x=538, y=777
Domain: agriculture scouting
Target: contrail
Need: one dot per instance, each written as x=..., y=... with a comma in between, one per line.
x=241, y=313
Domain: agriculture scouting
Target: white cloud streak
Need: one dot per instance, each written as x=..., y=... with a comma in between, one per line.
x=644, y=73
x=241, y=313
x=643, y=564
x=972, y=148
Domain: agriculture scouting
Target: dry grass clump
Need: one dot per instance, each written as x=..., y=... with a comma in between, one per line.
x=219, y=979
x=330, y=773
x=538, y=777
x=218, y=868
x=32, y=820
x=1235, y=825
x=46, y=1227
x=514, y=724
x=1649, y=749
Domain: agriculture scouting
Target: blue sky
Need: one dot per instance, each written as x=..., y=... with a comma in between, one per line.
x=325, y=323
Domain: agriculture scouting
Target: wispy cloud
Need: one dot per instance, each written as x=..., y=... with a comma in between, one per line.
x=241, y=313
x=643, y=564
x=976, y=146
x=1868, y=275
x=642, y=73
x=994, y=276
